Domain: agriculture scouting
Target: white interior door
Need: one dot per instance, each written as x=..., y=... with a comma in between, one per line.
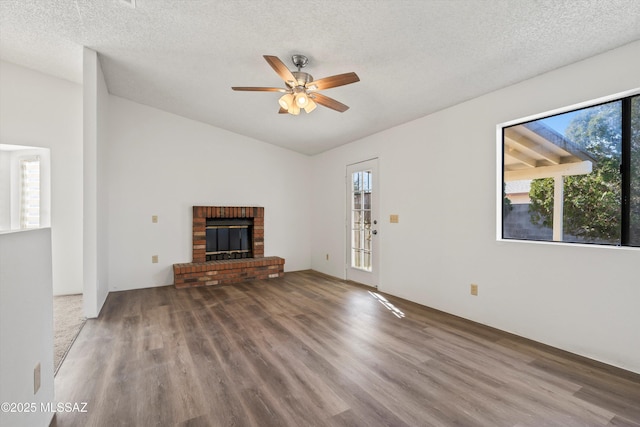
x=363, y=256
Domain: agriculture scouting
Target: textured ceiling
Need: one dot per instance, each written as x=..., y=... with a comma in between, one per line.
x=413, y=57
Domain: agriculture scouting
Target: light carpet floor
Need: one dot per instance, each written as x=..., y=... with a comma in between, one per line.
x=68, y=319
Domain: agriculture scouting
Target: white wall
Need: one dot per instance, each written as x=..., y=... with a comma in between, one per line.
x=162, y=164
x=95, y=227
x=581, y=299
x=26, y=324
x=43, y=111
x=102, y=176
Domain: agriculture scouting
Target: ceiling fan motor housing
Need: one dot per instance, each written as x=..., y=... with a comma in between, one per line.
x=302, y=77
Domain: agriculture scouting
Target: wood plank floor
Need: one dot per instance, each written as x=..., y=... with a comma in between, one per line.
x=308, y=350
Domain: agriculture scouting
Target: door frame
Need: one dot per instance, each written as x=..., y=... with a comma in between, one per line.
x=360, y=276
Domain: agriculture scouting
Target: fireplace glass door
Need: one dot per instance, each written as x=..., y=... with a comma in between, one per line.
x=228, y=239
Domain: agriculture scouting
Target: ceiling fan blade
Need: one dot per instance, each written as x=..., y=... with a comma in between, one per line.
x=333, y=81
x=329, y=102
x=259, y=89
x=281, y=69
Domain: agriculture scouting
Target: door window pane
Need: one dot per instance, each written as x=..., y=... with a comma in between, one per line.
x=367, y=261
x=357, y=200
x=367, y=218
x=357, y=239
x=366, y=178
x=357, y=218
x=367, y=240
x=357, y=259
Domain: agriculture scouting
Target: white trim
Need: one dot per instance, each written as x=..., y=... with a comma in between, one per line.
x=558, y=208
x=571, y=244
x=562, y=110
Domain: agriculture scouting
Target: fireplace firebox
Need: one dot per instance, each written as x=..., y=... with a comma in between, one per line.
x=228, y=238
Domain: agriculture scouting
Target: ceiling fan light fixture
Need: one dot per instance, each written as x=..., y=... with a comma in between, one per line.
x=286, y=101
x=302, y=99
x=310, y=106
x=294, y=109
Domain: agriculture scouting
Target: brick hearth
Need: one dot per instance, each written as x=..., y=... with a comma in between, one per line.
x=226, y=272
x=202, y=273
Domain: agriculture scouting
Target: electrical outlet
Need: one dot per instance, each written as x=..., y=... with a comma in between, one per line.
x=36, y=378
x=474, y=289
x=154, y=219
x=154, y=259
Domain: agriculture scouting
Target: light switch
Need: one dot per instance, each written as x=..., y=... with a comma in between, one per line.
x=393, y=218
x=154, y=259
x=154, y=219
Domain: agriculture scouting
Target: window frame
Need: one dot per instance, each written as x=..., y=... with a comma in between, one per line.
x=625, y=166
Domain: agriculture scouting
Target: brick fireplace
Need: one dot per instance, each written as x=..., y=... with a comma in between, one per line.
x=219, y=259
x=202, y=214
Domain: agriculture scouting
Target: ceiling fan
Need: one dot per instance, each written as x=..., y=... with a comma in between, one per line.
x=300, y=91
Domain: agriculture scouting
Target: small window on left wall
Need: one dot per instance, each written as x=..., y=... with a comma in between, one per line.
x=30, y=193
x=25, y=187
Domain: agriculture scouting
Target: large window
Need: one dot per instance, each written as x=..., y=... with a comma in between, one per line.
x=574, y=177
